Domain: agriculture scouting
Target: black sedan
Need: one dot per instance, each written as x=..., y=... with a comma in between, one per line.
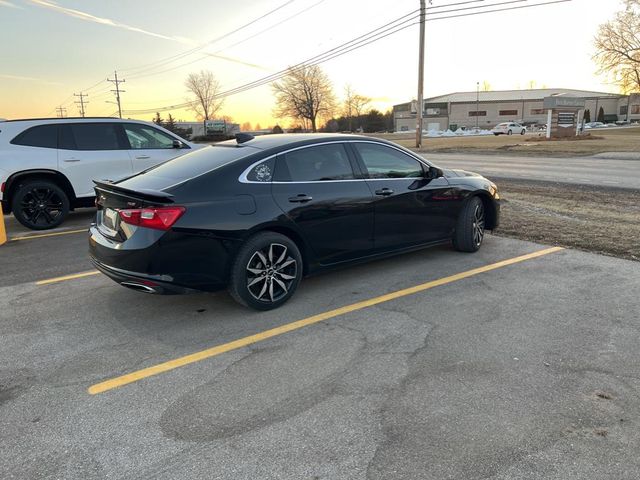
x=257, y=214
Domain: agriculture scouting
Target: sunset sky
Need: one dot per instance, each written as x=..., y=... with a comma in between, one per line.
x=51, y=49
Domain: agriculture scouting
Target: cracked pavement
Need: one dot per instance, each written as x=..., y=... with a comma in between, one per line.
x=525, y=372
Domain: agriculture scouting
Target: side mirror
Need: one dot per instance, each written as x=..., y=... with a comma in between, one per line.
x=177, y=144
x=434, y=172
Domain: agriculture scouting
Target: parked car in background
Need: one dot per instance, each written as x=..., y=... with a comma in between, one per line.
x=508, y=128
x=47, y=165
x=257, y=214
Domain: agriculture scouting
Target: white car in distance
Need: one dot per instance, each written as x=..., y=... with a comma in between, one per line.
x=508, y=128
x=47, y=166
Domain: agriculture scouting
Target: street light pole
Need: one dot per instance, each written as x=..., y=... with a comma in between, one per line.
x=477, y=102
x=420, y=76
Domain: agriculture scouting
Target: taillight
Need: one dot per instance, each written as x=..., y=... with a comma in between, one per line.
x=160, y=218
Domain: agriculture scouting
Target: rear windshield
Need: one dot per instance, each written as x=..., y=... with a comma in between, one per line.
x=186, y=167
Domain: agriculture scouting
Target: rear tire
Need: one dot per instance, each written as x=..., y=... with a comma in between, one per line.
x=266, y=271
x=40, y=204
x=469, y=231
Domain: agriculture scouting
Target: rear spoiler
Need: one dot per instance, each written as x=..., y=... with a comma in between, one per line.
x=142, y=194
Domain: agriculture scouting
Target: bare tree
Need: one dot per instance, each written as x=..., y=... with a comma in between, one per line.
x=205, y=89
x=304, y=93
x=354, y=104
x=618, y=47
x=486, y=86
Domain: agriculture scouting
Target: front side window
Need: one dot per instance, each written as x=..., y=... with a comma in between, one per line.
x=147, y=137
x=315, y=164
x=92, y=136
x=386, y=162
x=45, y=136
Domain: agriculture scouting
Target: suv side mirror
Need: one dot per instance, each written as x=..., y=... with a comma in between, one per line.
x=177, y=144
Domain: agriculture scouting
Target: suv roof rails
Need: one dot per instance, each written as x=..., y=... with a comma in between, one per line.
x=65, y=118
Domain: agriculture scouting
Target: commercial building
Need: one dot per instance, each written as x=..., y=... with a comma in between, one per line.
x=486, y=109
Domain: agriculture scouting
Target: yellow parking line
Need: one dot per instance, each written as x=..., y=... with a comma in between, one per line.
x=67, y=277
x=258, y=337
x=55, y=234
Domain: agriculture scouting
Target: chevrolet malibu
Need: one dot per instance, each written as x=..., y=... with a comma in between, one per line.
x=255, y=215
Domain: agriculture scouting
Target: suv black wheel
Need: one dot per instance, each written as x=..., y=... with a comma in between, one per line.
x=266, y=271
x=470, y=226
x=40, y=204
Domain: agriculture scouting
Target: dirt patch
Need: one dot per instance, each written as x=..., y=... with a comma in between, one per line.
x=596, y=219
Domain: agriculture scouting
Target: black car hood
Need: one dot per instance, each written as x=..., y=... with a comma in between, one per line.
x=450, y=173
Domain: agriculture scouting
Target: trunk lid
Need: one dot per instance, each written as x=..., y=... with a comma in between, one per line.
x=111, y=198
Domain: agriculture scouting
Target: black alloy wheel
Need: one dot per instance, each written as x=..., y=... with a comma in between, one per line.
x=266, y=271
x=40, y=205
x=470, y=226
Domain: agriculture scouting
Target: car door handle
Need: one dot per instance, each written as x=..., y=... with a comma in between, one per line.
x=384, y=192
x=300, y=198
x=71, y=160
x=142, y=157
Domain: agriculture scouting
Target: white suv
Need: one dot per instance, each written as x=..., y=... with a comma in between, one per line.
x=47, y=165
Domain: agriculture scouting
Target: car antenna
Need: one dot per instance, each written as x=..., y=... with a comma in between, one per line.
x=243, y=137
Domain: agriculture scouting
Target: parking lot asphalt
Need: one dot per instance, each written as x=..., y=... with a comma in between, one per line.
x=525, y=370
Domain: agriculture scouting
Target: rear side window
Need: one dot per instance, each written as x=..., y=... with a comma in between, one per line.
x=314, y=164
x=263, y=172
x=147, y=137
x=91, y=136
x=45, y=136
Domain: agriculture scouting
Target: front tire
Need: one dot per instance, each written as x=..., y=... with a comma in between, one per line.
x=469, y=231
x=509, y=132
x=40, y=204
x=266, y=272
x=522, y=132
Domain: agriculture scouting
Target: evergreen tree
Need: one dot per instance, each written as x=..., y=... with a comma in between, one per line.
x=601, y=115
x=158, y=119
x=587, y=116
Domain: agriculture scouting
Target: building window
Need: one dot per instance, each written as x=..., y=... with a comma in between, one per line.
x=508, y=113
x=635, y=109
x=538, y=111
x=623, y=110
x=479, y=113
x=433, y=111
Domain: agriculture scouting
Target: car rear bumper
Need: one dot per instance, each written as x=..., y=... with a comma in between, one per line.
x=176, y=262
x=140, y=281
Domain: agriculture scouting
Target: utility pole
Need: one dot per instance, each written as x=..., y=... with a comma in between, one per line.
x=61, y=111
x=117, y=91
x=82, y=102
x=423, y=9
x=477, y=103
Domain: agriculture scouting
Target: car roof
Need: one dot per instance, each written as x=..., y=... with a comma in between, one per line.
x=73, y=119
x=267, y=142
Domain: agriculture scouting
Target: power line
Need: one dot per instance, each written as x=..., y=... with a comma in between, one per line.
x=157, y=63
x=375, y=35
x=208, y=55
x=61, y=112
x=82, y=102
x=117, y=91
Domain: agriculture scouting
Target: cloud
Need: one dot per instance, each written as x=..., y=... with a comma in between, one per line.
x=7, y=3
x=87, y=17
x=28, y=79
